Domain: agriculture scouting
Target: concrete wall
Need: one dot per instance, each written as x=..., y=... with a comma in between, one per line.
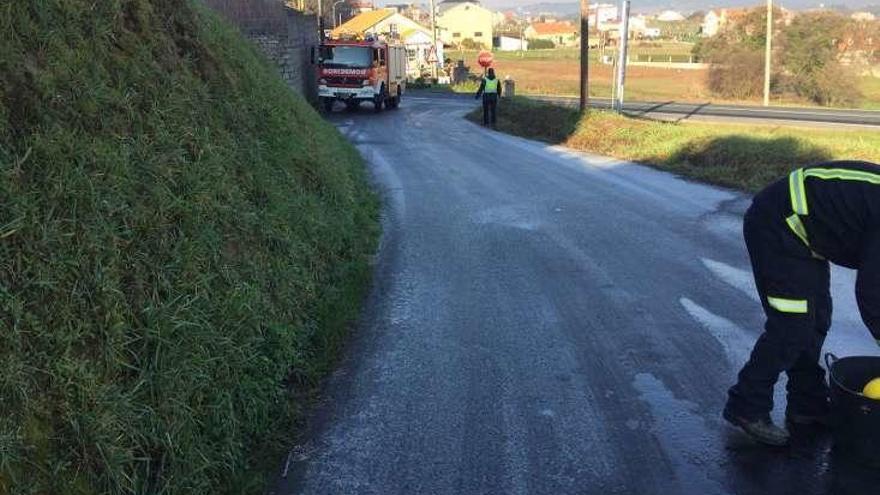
x=284, y=35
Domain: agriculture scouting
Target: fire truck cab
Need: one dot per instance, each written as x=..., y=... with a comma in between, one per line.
x=354, y=71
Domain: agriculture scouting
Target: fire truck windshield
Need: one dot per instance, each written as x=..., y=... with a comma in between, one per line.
x=359, y=57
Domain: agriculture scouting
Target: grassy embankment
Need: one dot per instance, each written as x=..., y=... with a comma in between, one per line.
x=180, y=237
x=557, y=72
x=741, y=156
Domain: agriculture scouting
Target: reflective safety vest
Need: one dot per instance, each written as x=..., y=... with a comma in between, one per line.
x=491, y=85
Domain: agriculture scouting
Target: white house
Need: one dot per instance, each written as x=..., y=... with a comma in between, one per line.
x=670, y=16
x=361, y=6
x=504, y=43
x=716, y=20
x=419, y=55
x=652, y=33
x=638, y=24
x=712, y=23
x=637, y=27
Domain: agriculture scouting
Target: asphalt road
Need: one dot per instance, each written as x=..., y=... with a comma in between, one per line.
x=671, y=110
x=549, y=322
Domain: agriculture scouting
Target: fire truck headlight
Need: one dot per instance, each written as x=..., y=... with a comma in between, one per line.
x=322, y=81
x=367, y=82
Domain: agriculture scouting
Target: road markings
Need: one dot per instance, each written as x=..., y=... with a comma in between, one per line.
x=847, y=337
x=735, y=341
x=734, y=277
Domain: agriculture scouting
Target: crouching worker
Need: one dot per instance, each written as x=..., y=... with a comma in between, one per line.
x=794, y=228
x=490, y=89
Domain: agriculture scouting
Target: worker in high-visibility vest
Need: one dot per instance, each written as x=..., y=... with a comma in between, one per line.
x=490, y=89
x=794, y=228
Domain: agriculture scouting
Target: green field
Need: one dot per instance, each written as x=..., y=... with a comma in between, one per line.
x=557, y=72
x=659, y=49
x=746, y=157
x=870, y=87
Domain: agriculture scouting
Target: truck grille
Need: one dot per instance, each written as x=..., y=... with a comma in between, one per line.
x=344, y=81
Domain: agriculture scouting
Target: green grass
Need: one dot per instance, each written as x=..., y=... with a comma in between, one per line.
x=870, y=88
x=467, y=87
x=183, y=245
x=746, y=157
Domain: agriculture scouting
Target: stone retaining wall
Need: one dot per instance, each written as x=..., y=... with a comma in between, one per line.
x=283, y=34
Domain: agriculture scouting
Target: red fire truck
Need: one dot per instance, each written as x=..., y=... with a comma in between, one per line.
x=354, y=71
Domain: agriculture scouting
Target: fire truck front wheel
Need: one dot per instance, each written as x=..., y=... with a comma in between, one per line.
x=379, y=100
x=395, y=102
x=327, y=103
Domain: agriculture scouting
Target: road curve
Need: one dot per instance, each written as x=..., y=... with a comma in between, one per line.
x=548, y=322
x=677, y=111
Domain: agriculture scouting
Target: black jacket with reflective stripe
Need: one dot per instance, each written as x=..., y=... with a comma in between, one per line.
x=842, y=222
x=843, y=225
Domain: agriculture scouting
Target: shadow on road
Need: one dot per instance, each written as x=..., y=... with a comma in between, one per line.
x=656, y=107
x=697, y=109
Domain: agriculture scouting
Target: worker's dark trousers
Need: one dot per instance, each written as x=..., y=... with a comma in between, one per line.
x=490, y=103
x=792, y=342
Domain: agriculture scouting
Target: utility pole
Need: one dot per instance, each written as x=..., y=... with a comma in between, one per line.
x=585, y=55
x=613, y=82
x=623, y=53
x=434, y=38
x=320, y=21
x=768, y=53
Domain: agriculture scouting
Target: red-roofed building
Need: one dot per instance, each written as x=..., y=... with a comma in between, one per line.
x=560, y=33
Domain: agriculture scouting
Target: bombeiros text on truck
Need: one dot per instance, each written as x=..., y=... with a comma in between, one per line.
x=354, y=70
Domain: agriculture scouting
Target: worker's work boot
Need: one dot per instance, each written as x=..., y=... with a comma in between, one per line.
x=823, y=420
x=762, y=430
x=808, y=411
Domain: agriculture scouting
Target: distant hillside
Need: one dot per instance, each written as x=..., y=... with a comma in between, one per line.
x=560, y=9
x=569, y=8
